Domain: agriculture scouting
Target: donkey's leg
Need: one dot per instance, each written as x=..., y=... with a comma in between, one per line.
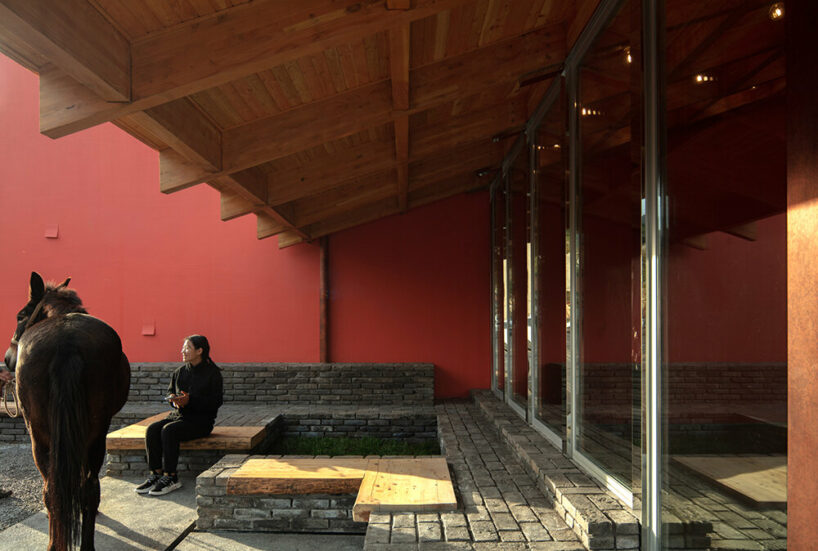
x=40, y=452
x=91, y=493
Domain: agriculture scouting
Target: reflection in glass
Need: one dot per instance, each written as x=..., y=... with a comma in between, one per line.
x=725, y=367
x=610, y=253
x=552, y=247
x=498, y=278
x=518, y=184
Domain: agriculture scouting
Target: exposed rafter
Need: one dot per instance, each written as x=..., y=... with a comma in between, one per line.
x=214, y=50
x=71, y=34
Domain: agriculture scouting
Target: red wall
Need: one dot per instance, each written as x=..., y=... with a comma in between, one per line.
x=410, y=288
x=136, y=255
x=425, y=295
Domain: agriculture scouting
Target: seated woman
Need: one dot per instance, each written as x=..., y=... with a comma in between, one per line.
x=196, y=393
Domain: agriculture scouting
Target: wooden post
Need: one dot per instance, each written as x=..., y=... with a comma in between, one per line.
x=801, y=18
x=323, y=309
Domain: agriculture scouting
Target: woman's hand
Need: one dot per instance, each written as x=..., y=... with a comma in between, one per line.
x=181, y=400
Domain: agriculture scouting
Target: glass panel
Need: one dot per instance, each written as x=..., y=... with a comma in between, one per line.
x=519, y=182
x=610, y=255
x=498, y=275
x=552, y=248
x=726, y=290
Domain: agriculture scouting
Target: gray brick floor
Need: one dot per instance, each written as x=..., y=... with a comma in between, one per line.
x=502, y=508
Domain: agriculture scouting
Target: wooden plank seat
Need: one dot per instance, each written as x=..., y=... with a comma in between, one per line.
x=242, y=438
x=411, y=484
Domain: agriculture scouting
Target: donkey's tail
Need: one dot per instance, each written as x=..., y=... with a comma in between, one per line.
x=67, y=470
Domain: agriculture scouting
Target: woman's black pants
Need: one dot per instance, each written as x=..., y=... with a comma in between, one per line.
x=163, y=438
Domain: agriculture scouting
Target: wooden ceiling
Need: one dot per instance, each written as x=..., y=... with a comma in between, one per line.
x=313, y=115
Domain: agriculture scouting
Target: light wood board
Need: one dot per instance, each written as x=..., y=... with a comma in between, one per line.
x=411, y=485
x=246, y=438
x=761, y=479
x=298, y=476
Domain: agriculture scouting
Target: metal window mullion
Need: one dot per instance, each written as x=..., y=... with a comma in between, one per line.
x=494, y=284
x=572, y=274
x=654, y=150
x=533, y=277
x=509, y=302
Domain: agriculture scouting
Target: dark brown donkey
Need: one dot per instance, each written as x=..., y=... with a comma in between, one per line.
x=72, y=377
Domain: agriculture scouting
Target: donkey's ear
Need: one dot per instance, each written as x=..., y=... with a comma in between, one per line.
x=64, y=283
x=36, y=287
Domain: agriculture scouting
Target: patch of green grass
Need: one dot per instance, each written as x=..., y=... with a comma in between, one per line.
x=303, y=445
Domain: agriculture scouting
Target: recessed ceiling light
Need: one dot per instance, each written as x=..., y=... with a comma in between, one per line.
x=701, y=78
x=777, y=11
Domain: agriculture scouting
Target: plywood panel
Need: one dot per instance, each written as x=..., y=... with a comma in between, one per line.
x=761, y=479
x=409, y=485
x=298, y=476
x=132, y=437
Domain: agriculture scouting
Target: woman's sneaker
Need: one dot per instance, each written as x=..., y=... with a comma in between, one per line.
x=165, y=485
x=146, y=486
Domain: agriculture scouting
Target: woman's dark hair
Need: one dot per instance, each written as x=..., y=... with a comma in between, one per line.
x=200, y=341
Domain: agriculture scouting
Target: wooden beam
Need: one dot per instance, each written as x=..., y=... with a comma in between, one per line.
x=185, y=129
x=399, y=66
x=368, y=213
x=176, y=172
x=343, y=198
x=77, y=38
x=371, y=105
x=398, y=4
x=207, y=52
x=430, y=193
x=344, y=163
x=251, y=186
x=233, y=205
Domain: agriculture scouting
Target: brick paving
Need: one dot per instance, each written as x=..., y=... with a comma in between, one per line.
x=502, y=508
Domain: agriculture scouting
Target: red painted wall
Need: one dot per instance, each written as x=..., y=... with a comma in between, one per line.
x=137, y=255
x=405, y=289
x=425, y=295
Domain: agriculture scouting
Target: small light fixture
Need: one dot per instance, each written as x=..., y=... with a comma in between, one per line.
x=588, y=112
x=556, y=146
x=701, y=78
x=777, y=11
x=628, y=57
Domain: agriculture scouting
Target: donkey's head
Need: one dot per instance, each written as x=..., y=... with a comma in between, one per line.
x=44, y=301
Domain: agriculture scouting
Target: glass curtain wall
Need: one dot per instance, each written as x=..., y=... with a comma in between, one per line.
x=498, y=283
x=609, y=222
x=725, y=370
x=520, y=244
x=550, y=230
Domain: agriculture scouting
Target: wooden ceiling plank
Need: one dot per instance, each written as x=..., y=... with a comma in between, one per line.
x=356, y=193
x=75, y=37
x=362, y=108
x=385, y=207
x=301, y=181
x=380, y=209
x=308, y=126
x=461, y=164
x=230, y=45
